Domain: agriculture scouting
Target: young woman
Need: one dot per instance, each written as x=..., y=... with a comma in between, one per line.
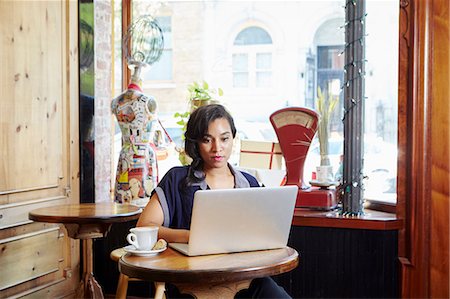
x=209, y=141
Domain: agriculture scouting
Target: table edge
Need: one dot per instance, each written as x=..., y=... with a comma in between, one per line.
x=123, y=217
x=287, y=264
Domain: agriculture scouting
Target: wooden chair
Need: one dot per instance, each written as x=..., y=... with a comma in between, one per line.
x=122, y=285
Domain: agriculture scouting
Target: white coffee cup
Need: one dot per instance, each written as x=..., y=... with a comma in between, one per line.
x=143, y=237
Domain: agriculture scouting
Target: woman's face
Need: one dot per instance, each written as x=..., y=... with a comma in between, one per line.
x=216, y=146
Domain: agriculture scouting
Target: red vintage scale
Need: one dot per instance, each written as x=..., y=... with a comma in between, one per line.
x=295, y=128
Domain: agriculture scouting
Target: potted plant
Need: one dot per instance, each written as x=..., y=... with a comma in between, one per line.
x=199, y=95
x=325, y=107
x=202, y=94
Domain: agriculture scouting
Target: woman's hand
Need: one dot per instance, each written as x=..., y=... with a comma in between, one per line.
x=153, y=216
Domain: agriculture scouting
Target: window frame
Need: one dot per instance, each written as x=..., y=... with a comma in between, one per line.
x=252, y=51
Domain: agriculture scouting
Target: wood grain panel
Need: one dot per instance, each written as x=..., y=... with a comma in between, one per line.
x=17, y=214
x=49, y=290
x=439, y=252
x=423, y=178
x=31, y=122
x=42, y=256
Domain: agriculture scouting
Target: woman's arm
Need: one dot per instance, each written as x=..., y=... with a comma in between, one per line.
x=153, y=216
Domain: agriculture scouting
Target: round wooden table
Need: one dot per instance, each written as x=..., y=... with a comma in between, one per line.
x=209, y=276
x=87, y=221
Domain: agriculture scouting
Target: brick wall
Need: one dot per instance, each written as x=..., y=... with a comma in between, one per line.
x=103, y=97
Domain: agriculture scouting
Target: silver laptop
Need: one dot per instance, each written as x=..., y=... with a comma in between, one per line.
x=241, y=219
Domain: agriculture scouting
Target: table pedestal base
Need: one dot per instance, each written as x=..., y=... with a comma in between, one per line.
x=213, y=291
x=89, y=288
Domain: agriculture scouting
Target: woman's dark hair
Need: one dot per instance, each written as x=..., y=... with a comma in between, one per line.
x=196, y=129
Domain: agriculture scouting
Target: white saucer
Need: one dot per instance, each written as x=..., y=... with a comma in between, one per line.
x=131, y=249
x=322, y=184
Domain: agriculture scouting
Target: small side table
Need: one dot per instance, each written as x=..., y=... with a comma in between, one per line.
x=87, y=221
x=209, y=276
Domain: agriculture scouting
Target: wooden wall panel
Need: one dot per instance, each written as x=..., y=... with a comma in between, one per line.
x=423, y=177
x=38, y=145
x=440, y=135
x=42, y=256
x=17, y=214
x=31, y=118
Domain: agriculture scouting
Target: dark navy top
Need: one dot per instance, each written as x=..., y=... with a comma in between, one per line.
x=176, y=199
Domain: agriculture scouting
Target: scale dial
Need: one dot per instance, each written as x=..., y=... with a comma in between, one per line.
x=293, y=117
x=295, y=128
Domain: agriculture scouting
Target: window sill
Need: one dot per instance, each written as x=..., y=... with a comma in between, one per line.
x=379, y=205
x=373, y=220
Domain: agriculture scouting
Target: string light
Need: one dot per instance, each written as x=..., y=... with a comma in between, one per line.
x=360, y=19
x=347, y=83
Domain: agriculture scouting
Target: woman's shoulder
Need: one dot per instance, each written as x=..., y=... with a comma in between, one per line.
x=173, y=176
x=178, y=171
x=250, y=178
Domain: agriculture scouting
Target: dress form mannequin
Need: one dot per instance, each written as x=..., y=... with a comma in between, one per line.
x=137, y=169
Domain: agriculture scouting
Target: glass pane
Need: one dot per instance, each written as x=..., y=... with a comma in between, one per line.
x=240, y=62
x=380, y=140
x=240, y=80
x=263, y=60
x=166, y=26
x=164, y=23
x=330, y=57
x=160, y=70
x=263, y=79
x=253, y=36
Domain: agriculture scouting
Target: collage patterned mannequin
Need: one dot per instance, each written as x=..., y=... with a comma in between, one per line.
x=137, y=166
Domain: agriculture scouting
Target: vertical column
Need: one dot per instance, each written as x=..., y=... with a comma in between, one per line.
x=354, y=107
x=103, y=95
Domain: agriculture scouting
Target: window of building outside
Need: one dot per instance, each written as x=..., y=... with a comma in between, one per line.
x=252, y=59
x=162, y=69
x=267, y=55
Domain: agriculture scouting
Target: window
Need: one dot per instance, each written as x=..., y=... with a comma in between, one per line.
x=381, y=88
x=252, y=59
x=267, y=55
x=162, y=69
x=240, y=70
x=330, y=76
